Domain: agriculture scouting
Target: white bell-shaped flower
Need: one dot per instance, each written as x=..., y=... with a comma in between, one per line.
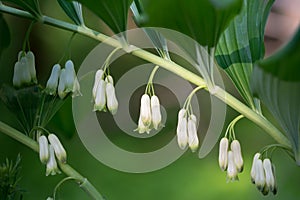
x=70, y=76
x=182, y=135
x=31, y=66
x=43, y=149
x=98, y=77
x=52, y=168
x=59, y=150
x=253, y=168
x=223, y=153
x=237, y=155
x=192, y=133
x=259, y=179
x=62, y=84
x=145, y=110
x=17, y=75
x=232, y=172
x=270, y=176
x=155, y=111
x=100, y=100
x=52, y=82
x=111, y=99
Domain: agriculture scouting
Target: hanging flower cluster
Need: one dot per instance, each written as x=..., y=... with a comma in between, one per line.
x=51, y=153
x=104, y=94
x=63, y=81
x=187, y=124
x=263, y=175
x=24, y=70
x=150, y=115
x=187, y=130
x=230, y=160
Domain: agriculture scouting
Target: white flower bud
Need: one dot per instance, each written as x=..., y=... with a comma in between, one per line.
x=223, y=152
x=253, y=168
x=109, y=79
x=237, y=155
x=182, y=135
x=49, y=198
x=52, y=82
x=142, y=128
x=259, y=175
x=98, y=77
x=21, y=54
x=43, y=149
x=111, y=99
x=70, y=76
x=145, y=110
x=192, y=133
x=155, y=111
x=25, y=77
x=100, y=100
x=76, y=88
x=232, y=172
x=61, y=85
x=51, y=164
x=59, y=150
x=270, y=178
x=31, y=66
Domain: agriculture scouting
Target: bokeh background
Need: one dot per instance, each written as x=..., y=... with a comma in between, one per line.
x=189, y=177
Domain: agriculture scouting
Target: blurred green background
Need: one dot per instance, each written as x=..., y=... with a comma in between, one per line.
x=188, y=178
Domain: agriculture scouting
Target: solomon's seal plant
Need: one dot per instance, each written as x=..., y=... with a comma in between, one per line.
x=228, y=35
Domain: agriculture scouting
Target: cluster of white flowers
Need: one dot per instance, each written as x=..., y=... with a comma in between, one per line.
x=150, y=114
x=187, y=130
x=104, y=94
x=230, y=160
x=63, y=81
x=48, y=152
x=263, y=175
x=24, y=70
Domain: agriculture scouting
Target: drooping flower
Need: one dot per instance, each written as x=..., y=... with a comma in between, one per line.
x=155, y=111
x=182, y=135
x=270, y=177
x=232, y=172
x=223, y=149
x=31, y=66
x=253, y=168
x=43, y=149
x=237, y=155
x=192, y=133
x=70, y=76
x=98, y=77
x=52, y=83
x=111, y=99
x=145, y=110
x=259, y=178
x=59, y=150
x=62, y=84
x=52, y=168
x=100, y=100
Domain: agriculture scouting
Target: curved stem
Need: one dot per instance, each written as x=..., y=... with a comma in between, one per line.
x=67, y=169
x=168, y=65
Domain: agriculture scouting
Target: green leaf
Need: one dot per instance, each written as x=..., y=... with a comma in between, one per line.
x=242, y=44
x=4, y=34
x=31, y=6
x=113, y=12
x=73, y=10
x=202, y=20
x=157, y=39
x=30, y=105
x=276, y=81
